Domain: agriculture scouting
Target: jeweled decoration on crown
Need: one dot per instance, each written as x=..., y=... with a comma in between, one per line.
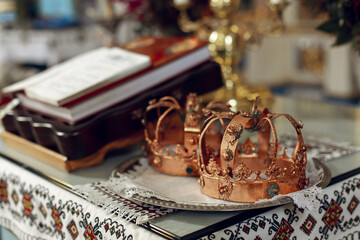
x=243, y=169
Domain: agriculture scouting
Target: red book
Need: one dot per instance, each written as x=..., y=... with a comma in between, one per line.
x=176, y=54
x=169, y=57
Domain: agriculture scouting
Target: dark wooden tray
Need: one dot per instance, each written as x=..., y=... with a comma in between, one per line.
x=60, y=161
x=119, y=122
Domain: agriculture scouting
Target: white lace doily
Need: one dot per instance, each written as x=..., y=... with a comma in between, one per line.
x=146, y=182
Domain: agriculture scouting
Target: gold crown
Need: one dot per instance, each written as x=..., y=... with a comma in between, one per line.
x=238, y=169
x=172, y=134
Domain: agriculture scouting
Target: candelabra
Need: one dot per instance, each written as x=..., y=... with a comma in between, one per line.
x=228, y=40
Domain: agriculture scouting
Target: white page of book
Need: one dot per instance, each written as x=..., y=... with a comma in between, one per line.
x=83, y=74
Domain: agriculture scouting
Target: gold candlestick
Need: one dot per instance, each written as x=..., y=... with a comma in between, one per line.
x=227, y=45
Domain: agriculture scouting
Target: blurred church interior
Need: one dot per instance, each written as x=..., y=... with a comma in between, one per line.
x=284, y=51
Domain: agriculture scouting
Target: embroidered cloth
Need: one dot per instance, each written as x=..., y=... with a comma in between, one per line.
x=34, y=208
x=337, y=217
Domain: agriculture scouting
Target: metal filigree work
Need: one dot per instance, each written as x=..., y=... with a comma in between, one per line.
x=259, y=169
x=213, y=167
x=228, y=155
x=225, y=189
x=242, y=172
x=235, y=131
x=248, y=147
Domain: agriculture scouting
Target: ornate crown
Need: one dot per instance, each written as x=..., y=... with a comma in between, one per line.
x=172, y=134
x=243, y=170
